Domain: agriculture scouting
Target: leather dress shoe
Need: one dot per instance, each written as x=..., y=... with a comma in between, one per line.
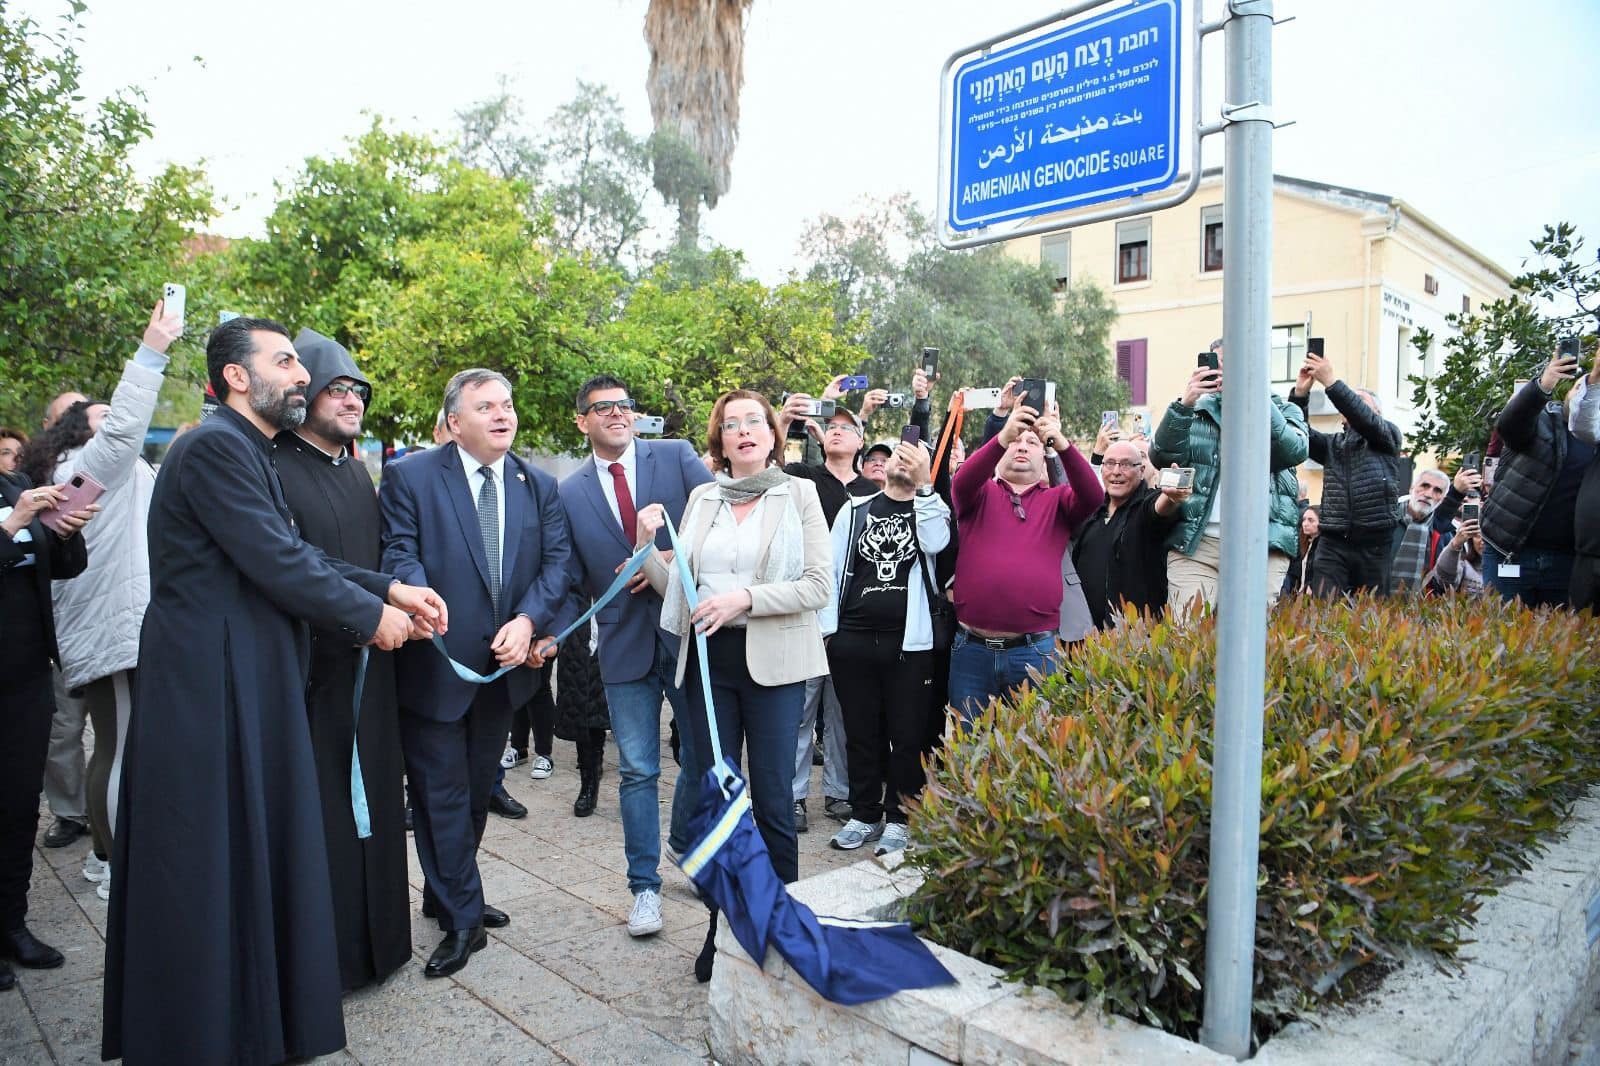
x=493, y=917
x=454, y=951
x=588, y=796
x=28, y=951
x=7, y=978
x=64, y=831
x=502, y=803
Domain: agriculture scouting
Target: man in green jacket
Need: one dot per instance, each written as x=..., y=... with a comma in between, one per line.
x=1190, y=434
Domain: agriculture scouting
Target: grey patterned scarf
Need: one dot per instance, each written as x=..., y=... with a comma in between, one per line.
x=785, y=554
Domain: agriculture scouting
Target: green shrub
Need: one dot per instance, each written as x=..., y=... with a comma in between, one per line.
x=1414, y=754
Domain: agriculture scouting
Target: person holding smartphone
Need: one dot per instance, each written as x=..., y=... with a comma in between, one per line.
x=1529, y=521
x=1584, y=589
x=1361, y=481
x=1460, y=564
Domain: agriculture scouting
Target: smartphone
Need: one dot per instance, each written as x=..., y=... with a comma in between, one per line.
x=649, y=425
x=1030, y=392
x=1314, y=347
x=980, y=399
x=911, y=435
x=82, y=490
x=1109, y=418
x=930, y=362
x=1208, y=360
x=173, y=299
x=1471, y=462
x=1139, y=428
x=1181, y=478
x=823, y=408
x=1569, y=348
x=854, y=383
x=1489, y=465
x=1470, y=511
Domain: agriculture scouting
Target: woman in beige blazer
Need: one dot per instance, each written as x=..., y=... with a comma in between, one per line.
x=759, y=551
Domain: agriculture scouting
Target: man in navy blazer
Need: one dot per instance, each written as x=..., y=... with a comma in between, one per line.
x=637, y=659
x=487, y=530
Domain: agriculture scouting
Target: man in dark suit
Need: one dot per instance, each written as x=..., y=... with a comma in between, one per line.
x=487, y=530
x=637, y=662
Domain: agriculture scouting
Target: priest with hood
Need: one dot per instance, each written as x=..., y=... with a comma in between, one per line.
x=335, y=504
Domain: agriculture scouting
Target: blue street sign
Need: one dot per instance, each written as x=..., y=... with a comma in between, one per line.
x=1082, y=115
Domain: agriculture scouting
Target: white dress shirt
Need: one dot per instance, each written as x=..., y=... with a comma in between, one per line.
x=475, y=485
x=630, y=466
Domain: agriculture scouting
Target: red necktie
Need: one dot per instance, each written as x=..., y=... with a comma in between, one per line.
x=630, y=517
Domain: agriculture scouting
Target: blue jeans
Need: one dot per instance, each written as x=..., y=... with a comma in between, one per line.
x=636, y=724
x=979, y=673
x=763, y=720
x=1544, y=581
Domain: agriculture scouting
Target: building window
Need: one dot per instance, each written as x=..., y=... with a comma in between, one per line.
x=1211, y=238
x=1133, y=367
x=1430, y=284
x=1133, y=251
x=1288, y=353
x=1405, y=361
x=1055, y=254
x=1466, y=305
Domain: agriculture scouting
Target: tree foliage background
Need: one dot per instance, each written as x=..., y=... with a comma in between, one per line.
x=85, y=243
x=1557, y=295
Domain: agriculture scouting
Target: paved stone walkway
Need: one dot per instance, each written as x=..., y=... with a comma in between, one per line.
x=563, y=983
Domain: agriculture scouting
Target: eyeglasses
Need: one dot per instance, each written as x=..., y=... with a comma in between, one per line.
x=733, y=425
x=609, y=407
x=844, y=426
x=1016, y=507
x=1121, y=464
x=339, y=389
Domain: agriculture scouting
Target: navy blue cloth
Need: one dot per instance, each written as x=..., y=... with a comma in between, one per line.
x=665, y=472
x=844, y=962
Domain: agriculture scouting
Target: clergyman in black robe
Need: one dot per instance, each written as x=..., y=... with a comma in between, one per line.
x=220, y=944
x=335, y=504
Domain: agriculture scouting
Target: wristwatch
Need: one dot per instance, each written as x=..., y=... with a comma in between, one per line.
x=925, y=490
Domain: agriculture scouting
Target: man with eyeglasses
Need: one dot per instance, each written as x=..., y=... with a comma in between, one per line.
x=1015, y=528
x=638, y=659
x=837, y=478
x=331, y=495
x=1120, y=552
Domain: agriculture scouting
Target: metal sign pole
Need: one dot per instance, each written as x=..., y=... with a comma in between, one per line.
x=1241, y=607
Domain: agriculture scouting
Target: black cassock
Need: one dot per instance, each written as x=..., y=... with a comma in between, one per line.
x=336, y=506
x=220, y=945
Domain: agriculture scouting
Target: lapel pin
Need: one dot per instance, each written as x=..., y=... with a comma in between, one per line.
x=522, y=477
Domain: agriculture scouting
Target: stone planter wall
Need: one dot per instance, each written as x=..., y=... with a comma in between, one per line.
x=1516, y=997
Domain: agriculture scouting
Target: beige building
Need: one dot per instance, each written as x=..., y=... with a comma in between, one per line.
x=1362, y=270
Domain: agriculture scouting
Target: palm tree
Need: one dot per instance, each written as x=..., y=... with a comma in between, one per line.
x=696, y=72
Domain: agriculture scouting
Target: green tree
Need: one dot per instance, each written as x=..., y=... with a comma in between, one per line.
x=1505, y=340
x=990, y=314
x=85, y=243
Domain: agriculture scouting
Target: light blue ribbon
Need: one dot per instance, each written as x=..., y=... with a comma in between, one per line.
x=358, y=786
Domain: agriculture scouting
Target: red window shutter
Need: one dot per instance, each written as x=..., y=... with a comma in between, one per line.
x=1133, y=367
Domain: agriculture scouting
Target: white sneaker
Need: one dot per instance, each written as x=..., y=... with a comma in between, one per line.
x=893, y=839
x=510, y=758
x=646, y=916
x=856, y=833
x=96, y=869
x=103, y=889
x=542, y=768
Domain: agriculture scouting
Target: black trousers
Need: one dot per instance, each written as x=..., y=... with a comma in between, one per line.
x=538, y=717
x=884, y=697
x=27, y=702
x=1584, y=590
x=452, y=768
x=1353, y=562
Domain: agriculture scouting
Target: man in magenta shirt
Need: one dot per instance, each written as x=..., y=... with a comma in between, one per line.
x=1014, y=528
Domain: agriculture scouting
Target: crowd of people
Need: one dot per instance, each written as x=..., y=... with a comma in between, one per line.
x=285, y=671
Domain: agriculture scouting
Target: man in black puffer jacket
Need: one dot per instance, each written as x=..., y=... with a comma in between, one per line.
x=1530, y=518
x=1360, y=485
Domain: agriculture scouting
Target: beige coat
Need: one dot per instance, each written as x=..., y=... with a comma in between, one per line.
x=783, y=642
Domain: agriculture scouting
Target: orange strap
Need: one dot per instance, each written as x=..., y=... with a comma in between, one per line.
x=952, y=429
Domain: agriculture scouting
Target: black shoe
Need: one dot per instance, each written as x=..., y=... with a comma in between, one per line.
x=454, y=951
x=801, y=822
x=64, y=831
x=837, y=809
x=27, y=950
x=495, y=918
x=501, y=803
x=674, y=742
x=7, y=978
x=588, y=794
